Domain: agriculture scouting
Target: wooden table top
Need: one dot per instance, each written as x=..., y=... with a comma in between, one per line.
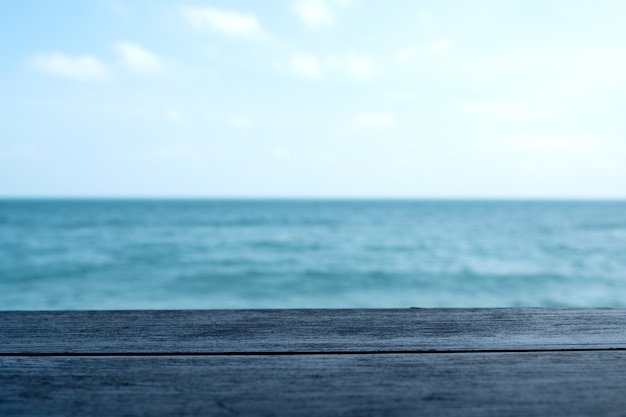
x=514, y=361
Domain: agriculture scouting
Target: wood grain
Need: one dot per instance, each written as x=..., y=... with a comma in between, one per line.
x=411, y=330
x=436, y=362
x=474, y=384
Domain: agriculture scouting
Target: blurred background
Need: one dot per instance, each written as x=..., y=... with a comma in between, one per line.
x=311, y=153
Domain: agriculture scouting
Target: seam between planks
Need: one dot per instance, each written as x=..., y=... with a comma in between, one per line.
x=304, y=353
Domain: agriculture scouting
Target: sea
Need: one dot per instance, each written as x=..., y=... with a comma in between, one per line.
x=223, y=254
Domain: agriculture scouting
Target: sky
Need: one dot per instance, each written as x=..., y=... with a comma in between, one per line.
x=313, y=98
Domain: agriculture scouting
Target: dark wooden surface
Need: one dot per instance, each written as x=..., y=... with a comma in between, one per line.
x=475, y=362
x=311, y=330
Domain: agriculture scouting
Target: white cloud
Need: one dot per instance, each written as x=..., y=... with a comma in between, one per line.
x=318, y=13
x=306, y=65
x=315, y=13
x=309, y=65
x=227, y=22
x=174, y=116
x=138, y=59
x=240, y=122
x=377, y=120
x=85, y=67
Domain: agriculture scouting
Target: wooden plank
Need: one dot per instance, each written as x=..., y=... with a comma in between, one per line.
x=311, y=330
x=472, y=384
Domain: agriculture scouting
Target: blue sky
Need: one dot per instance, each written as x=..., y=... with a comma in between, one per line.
x=313, y=98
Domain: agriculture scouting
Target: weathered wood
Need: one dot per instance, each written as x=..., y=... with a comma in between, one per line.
x=438, y=362
x=311, y=330
x=474, y=384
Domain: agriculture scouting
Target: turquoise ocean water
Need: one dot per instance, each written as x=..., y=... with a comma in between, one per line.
x=125, y=254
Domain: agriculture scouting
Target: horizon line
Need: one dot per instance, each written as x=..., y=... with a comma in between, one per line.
x=317, y=198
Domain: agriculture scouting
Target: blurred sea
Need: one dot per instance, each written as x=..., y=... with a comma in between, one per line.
x=139, y=254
